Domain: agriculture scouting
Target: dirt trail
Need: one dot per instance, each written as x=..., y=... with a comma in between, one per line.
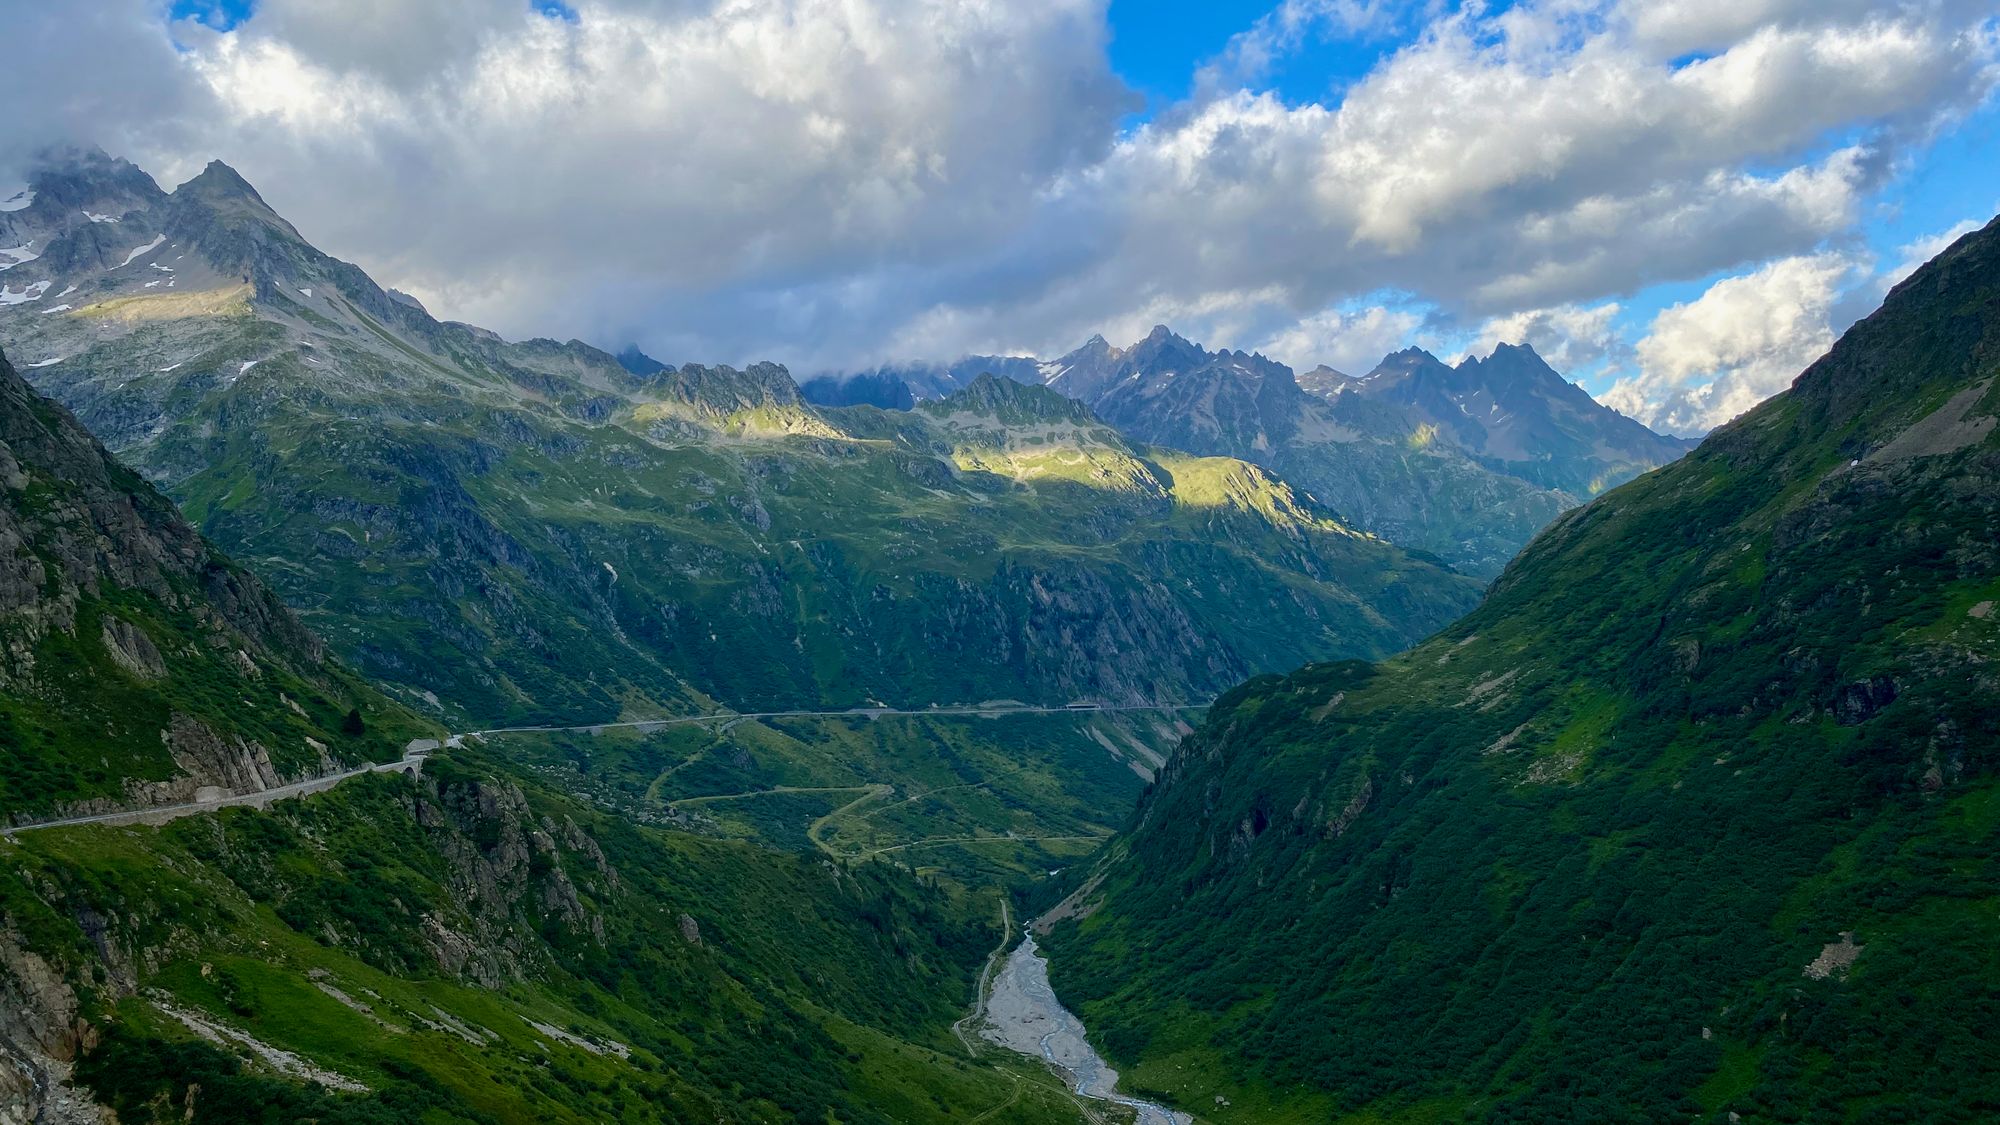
x=985, y=976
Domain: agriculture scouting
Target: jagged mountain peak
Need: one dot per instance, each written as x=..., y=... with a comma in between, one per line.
x=1323, y=380
x=218, y=179
x=81, y=162
x=1513, y=362
x=406, y=300
x=223, y=190
x=721, y=390
x=1515, y=413
x=1522, y=348
x=66, y=182
x=1163, y=340
x=1403, y=362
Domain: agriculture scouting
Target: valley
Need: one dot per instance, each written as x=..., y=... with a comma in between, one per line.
x=1005, y=795
x=404, y=724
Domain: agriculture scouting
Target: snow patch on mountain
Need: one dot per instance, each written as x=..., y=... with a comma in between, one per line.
x=137, y=254
x=30, y=292
x=18, y=255
x=97, y=218
x=17, y=201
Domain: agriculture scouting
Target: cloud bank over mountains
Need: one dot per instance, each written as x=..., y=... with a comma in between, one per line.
x=836, y=182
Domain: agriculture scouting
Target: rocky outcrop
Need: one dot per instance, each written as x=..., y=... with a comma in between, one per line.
x=41, y=1032
x=131, y=649
x=513, y=874
x=207, y=758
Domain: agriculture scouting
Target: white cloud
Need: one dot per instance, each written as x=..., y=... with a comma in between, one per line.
x=1539, y=158
x=1352, y=341
x=1495, y=174
x=685, y=151
x=1671, y=28
x=1250, y=54
x=1743, y=340
x=829, y=182
x=1573, y=338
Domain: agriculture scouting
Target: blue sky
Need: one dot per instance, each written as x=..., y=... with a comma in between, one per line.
x=1679, y=204
x=1157, y=47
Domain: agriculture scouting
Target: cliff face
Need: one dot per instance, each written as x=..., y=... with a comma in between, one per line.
x=129, y=647
x=76, y=524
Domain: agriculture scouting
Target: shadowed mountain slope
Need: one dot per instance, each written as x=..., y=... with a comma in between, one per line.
x=1693, y=818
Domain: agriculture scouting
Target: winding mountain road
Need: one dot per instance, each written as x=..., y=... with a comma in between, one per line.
x=419, y=749
x=978, y=710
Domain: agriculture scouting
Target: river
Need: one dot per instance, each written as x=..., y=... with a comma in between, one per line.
x=1023, y=1014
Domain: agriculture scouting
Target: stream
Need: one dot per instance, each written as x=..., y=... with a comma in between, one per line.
x=1023, y=1014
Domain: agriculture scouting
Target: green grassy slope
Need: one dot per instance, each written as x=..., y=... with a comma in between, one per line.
x=981, y=801
x=1606, y=849
x=470, y=948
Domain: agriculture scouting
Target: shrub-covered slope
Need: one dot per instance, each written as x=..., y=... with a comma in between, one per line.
x=1695, y=818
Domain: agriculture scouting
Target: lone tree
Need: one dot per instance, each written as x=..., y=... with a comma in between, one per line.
x=352, y=724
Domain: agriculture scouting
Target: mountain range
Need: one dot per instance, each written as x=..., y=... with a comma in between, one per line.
x=523, y=533
x=1691, y=819
x=1465, y=463
x=540, y=530
x=400, y=724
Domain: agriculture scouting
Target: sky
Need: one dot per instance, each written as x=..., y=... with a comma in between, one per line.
x=1680, y=203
